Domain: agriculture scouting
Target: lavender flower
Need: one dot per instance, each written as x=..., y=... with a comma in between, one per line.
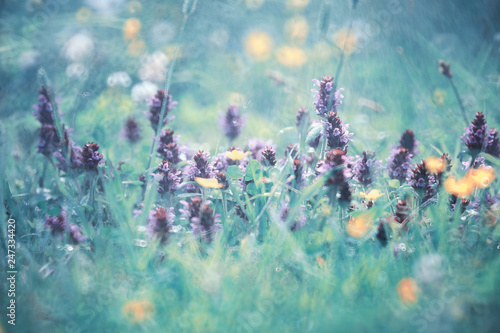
x=49, y=140
x=169, y=178
x=257, y=146
x=268, y=157
x=168, y=147
x=199, y=167
x=75, y=157
x=155, y=108
x=399, y=164
x=324, y=94
x=422, y=182
x=409, y=142
x=44, y=111
x=201, y=217
x=475, y=134
x=232, y=122
x=365, y=168
x=492, y=143
x=132, y=130
x=337, y=135
x=160, y=222
x=91, y=156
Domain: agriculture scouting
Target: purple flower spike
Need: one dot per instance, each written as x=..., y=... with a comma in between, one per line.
x=365, y=168
x=44, y=111
x=231, y=122
x=201, y=217
x=168, y=147
x=422, y=182
x=91, y=156
x=132, y=130
x=409, y=142
x=169, y=178
x=475, y=134
x=75, y=234
x=160, y=222
x=155, y=108
x=337, y=135
x=198, y=167
x=492, y=143
x=56, y=224
x=399, y=164
x=323, y=95
x=268, y=157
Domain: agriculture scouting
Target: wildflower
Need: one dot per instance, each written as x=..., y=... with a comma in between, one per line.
x=231, y=122
x=365, y=168
x=222, y=180
x=436, y=165
x=372, y=195
x=154, y=67
x=56, y=224
x=334, y=162
x=132, y=130
x=236, y=155
x=323, y=95
x=91, y=156
x=268, y=157
x=201, y=217
x=291, y=56
x=409, y=142
x=407, y=290
x=481, y=177
x=131, y=29
x=422, y=182
x=155, y=108
x=258, y=45
x=44, y=111
x=138, y=311
x=475, y=134
x=492, y=143
x=75, y=157
x=461, y=188
x=208, y=182
x=453, y=203
x=399, y=164
x=75, y=234
x=337, y=135
x=168, y=147
x=49, y=140
x=199, y=167
x=445, y=69
x=382, y=234
x=256, y=147
x=169, y=178
x=359, y=226
x=160, y=222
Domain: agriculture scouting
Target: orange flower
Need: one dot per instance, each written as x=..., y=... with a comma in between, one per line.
x=461, y=188
x=435, y=164
x=208, y=182
x=291, y=56
x=138, y=311
x=407, y=290
x=131, y=28
x=258, y=45
x=359, y=226
x=481, y=177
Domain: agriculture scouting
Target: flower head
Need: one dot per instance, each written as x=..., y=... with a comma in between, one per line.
x=56, y=224
x=407, y=290
x=160, y=222
x=365, y=168
x=475, y=134
x=75, y=234
x=231, y=122
x=155, y=108
x=202, y=218
x=168, y=147
x=256, y=147
x=399, y=164
x=169, y=178
x=208, y=182
x=481, y=177
x=91, y=156
x=337, y=135
x=460, y=188
x=323, y=95
x=409, y=142
x=372, y=195
x=492, y=143
x=435, y=164
x=198, y=167
x=132, y=130
x=302, y=119
x=236, y=154
x=300, y=219
x=445, y=69
x=359, y=226
x=268, y=157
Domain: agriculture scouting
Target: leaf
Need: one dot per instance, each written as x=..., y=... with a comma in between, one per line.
x=252, y=189
x=394, y=183
x=253, y=171
x=314, y=131
x=234, y=172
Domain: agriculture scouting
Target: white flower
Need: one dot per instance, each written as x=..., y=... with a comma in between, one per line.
x=78, y=47
x=154, y=67
x=143, y=91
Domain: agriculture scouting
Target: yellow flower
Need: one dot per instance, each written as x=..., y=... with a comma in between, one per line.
x=461, y=188
x=439, y=96
x=131, y=28
x=208, y=182
x=347, y=38
x=291, y=56
x=258, y=45
x=83, y=14
x=297, y=28
x=407, y=290
x=359, y=226
x=481, y=177
x=373, y=195
x=138, y=311
x=237, y=155
x=435, y=164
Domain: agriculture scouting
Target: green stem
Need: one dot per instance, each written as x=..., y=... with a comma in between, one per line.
x=460, y=103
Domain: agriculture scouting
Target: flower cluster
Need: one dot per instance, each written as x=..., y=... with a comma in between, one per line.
x=201, y=217
x=399, y=164
x=58, y=225
x=298, y=222
x=477, y=138
x=91, y=156
x=132, y=130
x=231, y=122
x=160, y=222
x=326, y=99
x=198, y=167
x=44, y=112
x=335, y=166
x=268, y=157
x=337, y=135
x=169, y=178
x=168, y=147
x=155, y=104
x=365, y=168
x=422, y=181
